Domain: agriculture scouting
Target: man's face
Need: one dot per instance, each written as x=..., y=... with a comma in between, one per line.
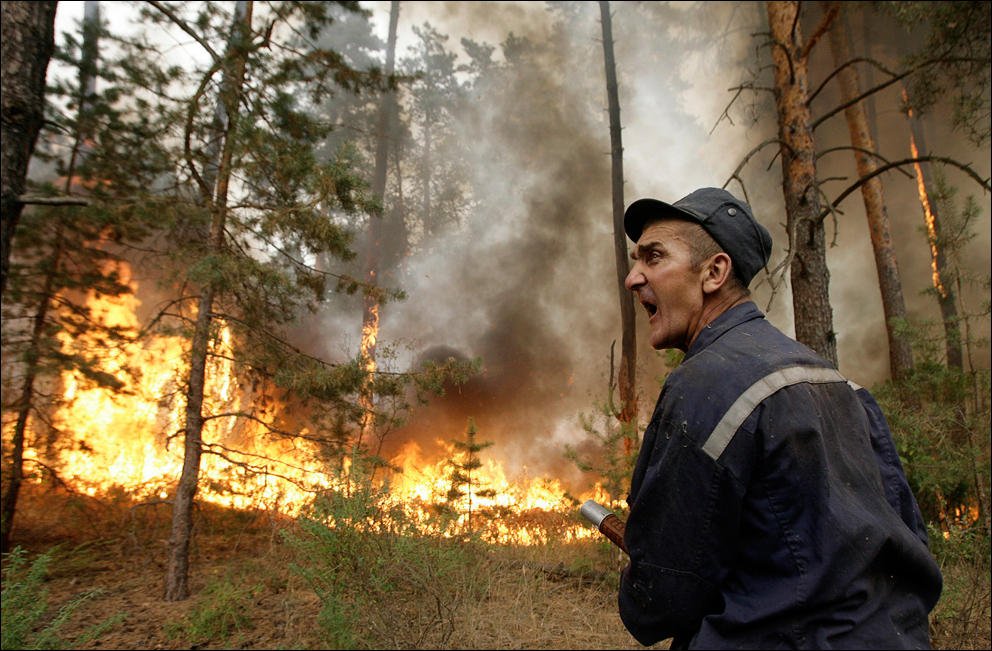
x=664, y=282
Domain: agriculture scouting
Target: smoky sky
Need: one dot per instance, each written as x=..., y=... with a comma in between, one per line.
x=527, y=282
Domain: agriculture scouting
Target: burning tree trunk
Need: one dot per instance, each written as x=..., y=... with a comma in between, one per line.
x=370, y=316
x=893, y=304
x=176, y=582
x=628, y=346
x=943, y=284
x=28, y=40
x=809, y=274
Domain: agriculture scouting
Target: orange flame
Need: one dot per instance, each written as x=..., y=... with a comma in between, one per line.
x=928, y=215
x=131, y=442
x=370, y=337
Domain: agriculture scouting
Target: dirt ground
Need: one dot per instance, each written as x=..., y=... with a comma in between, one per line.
x=242, y=576
x=120, y=551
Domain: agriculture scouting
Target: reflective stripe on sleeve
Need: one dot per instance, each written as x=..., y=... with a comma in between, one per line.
x=724, y=431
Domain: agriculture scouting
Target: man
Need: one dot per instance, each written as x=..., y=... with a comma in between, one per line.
x=768, y=507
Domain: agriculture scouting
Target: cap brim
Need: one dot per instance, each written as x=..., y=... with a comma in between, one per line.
x=642, y=211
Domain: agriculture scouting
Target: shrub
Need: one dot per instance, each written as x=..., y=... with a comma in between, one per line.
x=25, y=607
x=381, y=581
x=220, y=611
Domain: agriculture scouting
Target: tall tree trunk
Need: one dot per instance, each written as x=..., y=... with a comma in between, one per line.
x=26, y=403
x=428, y=168
x=628, y=345
x=941, y=274
x=889, y=282
x=177, y=576
x=27, y=39
x=809, y=274
x=370, y=314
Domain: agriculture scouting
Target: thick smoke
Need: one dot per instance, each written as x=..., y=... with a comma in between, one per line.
x=527, y=282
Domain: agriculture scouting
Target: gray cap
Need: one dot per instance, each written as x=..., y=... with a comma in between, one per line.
x=727, y=219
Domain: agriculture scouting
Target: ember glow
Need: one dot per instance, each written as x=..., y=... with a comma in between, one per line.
x=130, y=443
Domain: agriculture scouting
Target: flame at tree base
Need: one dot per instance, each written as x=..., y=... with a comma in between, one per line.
x=130, y=444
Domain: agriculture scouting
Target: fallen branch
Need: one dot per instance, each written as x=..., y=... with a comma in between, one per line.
x=28, y=199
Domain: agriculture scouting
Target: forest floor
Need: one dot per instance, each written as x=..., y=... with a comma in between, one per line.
x=248, y=592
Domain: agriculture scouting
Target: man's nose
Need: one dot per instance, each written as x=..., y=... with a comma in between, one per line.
x=634, y=279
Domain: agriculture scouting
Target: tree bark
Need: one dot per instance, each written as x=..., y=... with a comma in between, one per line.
x=177, y=576
x=941, y=274
x=27, y=39
x=886, y=267
x=628, y=345
x=370, y=314
x=809, y=274
x=26, y=404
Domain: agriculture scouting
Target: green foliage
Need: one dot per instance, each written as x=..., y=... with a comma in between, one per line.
x=940, y=417
x=607, y=453
x=957, y=35
x=27, y=622
x=466, y=486
x=371, y=566
x=221, y=611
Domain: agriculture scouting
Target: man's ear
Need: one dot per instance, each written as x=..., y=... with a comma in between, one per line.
x=717, y=272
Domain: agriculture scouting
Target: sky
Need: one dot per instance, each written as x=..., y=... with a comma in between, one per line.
x=527, y=283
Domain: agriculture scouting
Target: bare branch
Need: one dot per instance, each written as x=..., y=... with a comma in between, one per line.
x=836, y=71
x=821, y=29
x=867, y=152
x=224, y=452
x=840, y=107
x=985, y=183
x=833, y=212
x=870, y=91
x=183, y=25
x=726, y=109
x=751, y=154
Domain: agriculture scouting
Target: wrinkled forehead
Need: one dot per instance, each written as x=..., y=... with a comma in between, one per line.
x=662, y=234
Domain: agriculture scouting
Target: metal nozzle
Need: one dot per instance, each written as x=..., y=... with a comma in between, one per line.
x=594, y=512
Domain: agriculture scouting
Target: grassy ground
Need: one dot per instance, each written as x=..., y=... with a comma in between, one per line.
x=265, y=583
x=248, y=594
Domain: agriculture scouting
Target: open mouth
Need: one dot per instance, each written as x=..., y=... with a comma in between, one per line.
x=651, y=308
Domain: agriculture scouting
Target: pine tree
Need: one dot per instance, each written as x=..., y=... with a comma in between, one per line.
x=466, y=485
x=66, y=257
x=221, y=152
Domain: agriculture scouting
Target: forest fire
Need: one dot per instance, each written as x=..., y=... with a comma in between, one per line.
x=370, y=337
x=129, y=443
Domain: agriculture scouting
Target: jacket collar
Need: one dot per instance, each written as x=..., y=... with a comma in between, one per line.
x=730, y=319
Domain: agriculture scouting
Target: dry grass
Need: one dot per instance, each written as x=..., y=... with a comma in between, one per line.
x=246, y=594
x=963, y=616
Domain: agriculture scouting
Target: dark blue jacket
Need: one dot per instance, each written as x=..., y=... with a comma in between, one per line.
x=768, y=507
